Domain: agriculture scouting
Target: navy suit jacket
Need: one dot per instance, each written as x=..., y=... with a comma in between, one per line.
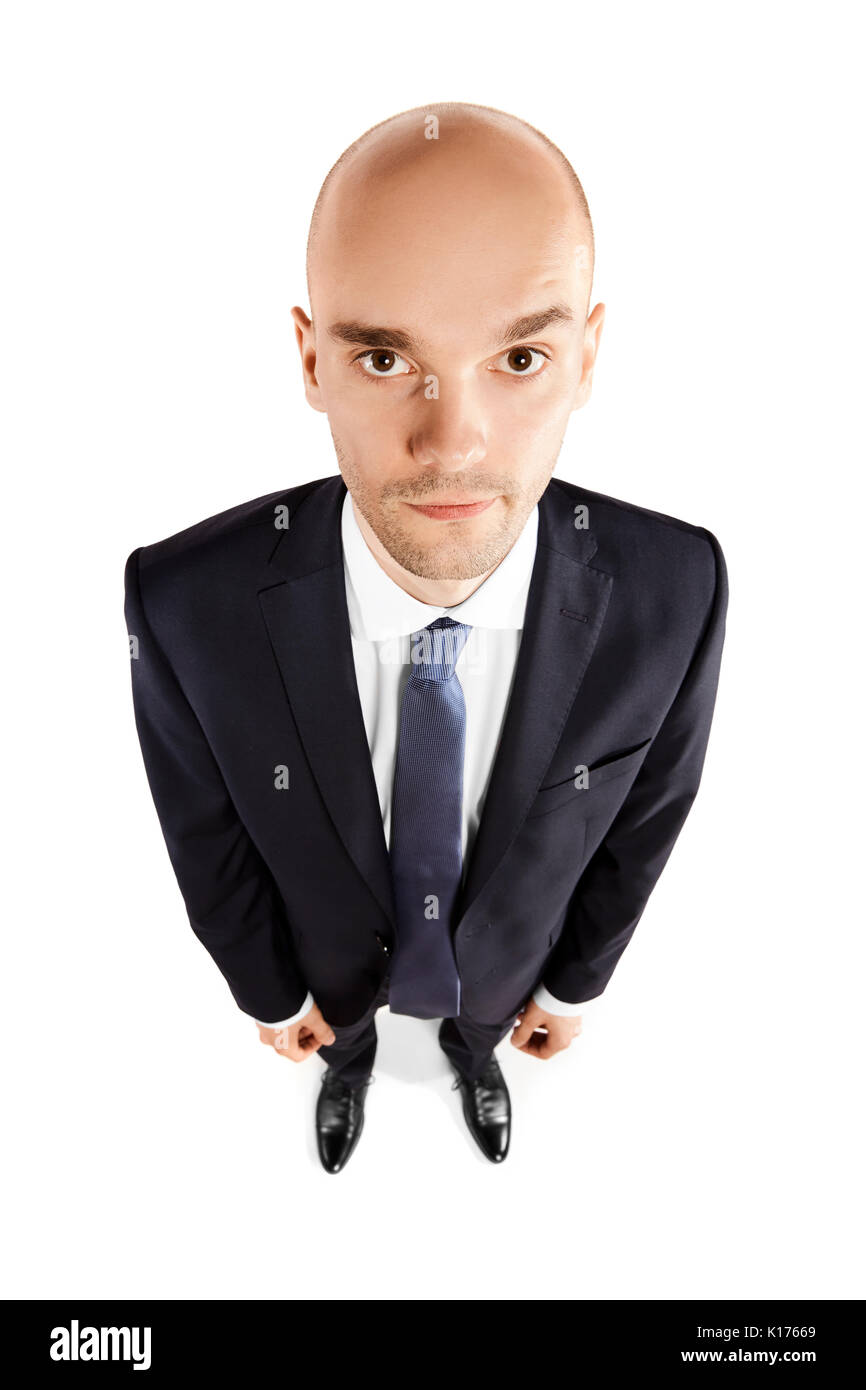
x=243, y=679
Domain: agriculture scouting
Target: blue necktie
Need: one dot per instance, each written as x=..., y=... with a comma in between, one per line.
x=426, y=820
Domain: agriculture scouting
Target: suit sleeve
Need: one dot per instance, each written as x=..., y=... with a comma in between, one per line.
x=551, y=1005
x=231, y=900
x=618, y=880
x=281, y=1023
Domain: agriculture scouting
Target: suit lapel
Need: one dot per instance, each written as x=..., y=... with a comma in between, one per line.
x=304, y=605
x=565, y=609
x=308, y=622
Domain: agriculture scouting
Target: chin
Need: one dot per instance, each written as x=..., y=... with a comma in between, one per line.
x=452, y=559
x=438, y=571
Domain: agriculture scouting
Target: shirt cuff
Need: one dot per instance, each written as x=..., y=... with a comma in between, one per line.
x=551, y=1005
x=304, y=1009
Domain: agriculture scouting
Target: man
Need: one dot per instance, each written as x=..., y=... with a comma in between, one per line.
x=425, y=732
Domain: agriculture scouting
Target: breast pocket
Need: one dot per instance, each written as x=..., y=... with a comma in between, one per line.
x=599, y=775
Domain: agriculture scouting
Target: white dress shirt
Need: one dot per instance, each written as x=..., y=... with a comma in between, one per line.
x=382, y=617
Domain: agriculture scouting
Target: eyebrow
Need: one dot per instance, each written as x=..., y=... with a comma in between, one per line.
x=527, y=326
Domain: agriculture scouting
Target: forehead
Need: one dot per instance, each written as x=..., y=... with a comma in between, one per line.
x=468, y=289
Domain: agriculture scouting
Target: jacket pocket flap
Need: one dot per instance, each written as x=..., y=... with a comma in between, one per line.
x=603, y=770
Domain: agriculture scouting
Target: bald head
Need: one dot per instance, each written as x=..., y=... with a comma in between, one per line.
x=455, y=156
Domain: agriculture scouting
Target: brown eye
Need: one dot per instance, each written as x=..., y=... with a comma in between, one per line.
x=382, y=362
x=519, y=361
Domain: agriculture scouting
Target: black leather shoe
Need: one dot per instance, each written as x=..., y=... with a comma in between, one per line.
x=487, y=1107
x=339, y=1120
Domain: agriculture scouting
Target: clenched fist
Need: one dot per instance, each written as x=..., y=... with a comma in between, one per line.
x=301, y=1039
x=560, y=1033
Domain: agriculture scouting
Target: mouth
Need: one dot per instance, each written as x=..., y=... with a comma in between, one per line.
x=453, y=511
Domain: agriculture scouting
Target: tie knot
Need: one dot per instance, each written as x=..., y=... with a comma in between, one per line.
x=435, y=648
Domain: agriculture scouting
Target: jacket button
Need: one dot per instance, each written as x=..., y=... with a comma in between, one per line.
x=385, y=947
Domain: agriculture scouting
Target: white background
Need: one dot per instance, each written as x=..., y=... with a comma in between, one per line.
x=704, y=1137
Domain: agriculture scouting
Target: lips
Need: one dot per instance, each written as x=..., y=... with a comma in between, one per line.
x=452, y=511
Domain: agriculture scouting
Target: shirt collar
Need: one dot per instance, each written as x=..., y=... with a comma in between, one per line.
x=379, y=609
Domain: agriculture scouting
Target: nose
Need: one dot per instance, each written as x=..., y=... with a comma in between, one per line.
x=451, y=436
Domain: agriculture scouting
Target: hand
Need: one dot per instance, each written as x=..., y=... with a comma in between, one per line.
x=560, y=1031
x=301, y=1039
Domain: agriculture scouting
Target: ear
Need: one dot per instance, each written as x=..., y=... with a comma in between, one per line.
x=306, y=339
x=591, y=341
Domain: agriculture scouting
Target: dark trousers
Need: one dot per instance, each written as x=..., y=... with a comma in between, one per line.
x=469, y=1045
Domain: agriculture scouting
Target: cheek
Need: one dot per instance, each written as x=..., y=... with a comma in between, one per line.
x=360, y=416
x=531, y=416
